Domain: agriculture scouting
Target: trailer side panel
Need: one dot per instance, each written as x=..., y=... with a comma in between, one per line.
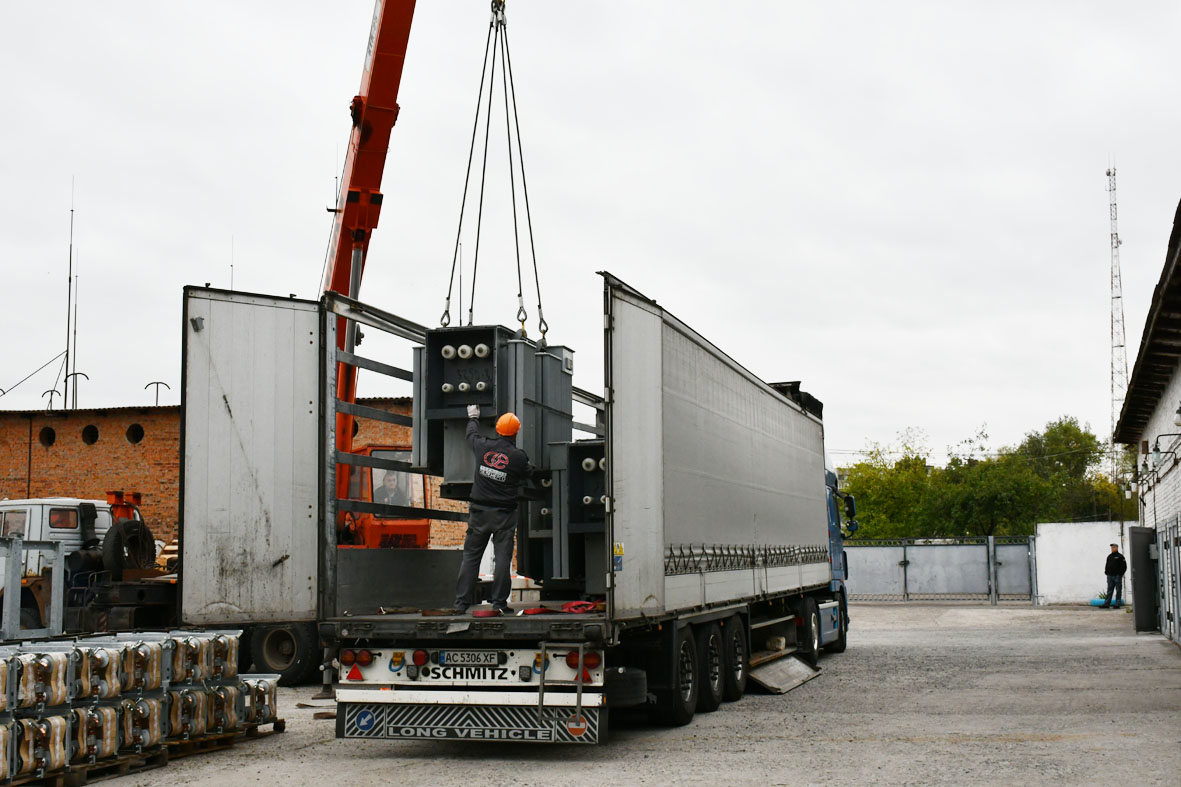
x=724, y=470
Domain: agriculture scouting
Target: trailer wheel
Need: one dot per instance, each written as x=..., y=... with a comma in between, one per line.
x=737, y=660
x=288, y=649
x=675, y=706
x=809, y=632
x=711, y=666
x=841, y=642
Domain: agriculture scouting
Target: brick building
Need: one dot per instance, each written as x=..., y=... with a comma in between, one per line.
x=85, y=453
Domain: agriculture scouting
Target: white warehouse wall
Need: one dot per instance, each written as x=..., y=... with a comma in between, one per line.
x=1070, y=560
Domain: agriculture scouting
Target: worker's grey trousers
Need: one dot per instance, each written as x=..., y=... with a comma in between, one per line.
x=1115, y=584
x=486, y=522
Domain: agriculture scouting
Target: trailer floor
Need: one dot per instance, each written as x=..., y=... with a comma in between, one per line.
x=925, y=694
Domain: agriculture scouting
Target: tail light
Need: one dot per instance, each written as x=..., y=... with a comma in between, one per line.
x=420, y=658
x=348, y=657
x=364, y=658
x=590, y=660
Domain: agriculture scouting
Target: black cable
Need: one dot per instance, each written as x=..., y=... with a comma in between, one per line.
x=51, y=360
x=541, y=323
x=446, y=318
x=522, y=316
x=483, y=178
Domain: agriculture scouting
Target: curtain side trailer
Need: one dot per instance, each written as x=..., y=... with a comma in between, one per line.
x=696, y=538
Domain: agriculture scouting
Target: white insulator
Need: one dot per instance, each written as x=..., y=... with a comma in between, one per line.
x=588, y=464
x=545, y=512
x=603, y=463
x=603, y=500
x=464, y=387
x=448, y=352
x=464, y=351
x=547, y=482
x=480, y=386
x=448, y=387
x=482, y=351
x=586, y=501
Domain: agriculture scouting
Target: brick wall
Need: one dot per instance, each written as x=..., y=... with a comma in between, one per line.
x=72, y=467
x=33, y=465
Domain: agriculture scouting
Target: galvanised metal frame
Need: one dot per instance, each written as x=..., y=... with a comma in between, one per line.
x=354, y=313
x=12, y=549
x=993, y=593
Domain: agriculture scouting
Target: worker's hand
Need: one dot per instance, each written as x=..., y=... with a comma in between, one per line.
x=473, y=411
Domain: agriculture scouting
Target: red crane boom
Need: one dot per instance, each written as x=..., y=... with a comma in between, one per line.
x=374, y=111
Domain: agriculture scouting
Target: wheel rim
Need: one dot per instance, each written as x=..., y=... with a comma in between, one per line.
x=815, y=633
x=686, y=669
x=278, y=648
x=713, y=662
x=739, y=647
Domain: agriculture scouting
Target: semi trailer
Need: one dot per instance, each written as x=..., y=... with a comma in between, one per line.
x=694, y=536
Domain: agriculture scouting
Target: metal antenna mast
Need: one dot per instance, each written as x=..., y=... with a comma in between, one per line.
x=1119, y=356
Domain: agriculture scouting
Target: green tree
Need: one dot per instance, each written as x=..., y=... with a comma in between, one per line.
x=890, y=487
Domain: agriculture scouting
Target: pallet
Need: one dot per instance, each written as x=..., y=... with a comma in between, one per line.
x=84, y=773
x=222, y=740
x=157, y=757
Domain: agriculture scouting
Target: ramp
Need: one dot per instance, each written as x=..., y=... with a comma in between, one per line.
x=783, y=674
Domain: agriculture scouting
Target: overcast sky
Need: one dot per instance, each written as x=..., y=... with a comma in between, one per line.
x=901, y=204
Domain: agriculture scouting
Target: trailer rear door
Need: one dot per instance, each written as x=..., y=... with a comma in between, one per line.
x=249, y=458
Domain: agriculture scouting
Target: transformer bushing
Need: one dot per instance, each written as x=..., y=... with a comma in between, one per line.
x=490, y=367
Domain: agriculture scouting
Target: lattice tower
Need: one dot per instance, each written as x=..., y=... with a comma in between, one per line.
x=1119, y=356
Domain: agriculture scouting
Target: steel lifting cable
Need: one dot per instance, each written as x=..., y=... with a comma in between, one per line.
x=499, y=17
x=498, y=39
x=445, y=320
x=542, y=326
x=522, y=315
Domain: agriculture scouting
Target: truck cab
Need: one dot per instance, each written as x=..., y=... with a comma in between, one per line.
x=61, y=519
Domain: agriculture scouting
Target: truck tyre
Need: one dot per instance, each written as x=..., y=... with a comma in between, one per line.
x=30, y=618
x=287, y=649
x=737, y=660
x=809, y=632
x=711, y=666
x=128, y=544
x=675, y=706
x=841, y=642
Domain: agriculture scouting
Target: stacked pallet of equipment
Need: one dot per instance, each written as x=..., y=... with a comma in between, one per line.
x=72, y=706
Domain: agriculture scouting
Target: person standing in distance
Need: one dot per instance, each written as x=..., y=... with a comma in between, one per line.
x=1115, y=569
x=492, y=511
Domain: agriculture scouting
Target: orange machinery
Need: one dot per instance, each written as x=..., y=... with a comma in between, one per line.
x=374, y=111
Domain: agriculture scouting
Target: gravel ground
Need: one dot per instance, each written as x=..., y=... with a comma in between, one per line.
x=924, y=694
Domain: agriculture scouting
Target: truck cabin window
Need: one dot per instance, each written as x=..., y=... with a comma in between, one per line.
x=396, y=487
x=63, y=518
x=13, y=524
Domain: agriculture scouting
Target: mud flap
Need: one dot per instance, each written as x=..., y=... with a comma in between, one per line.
x=783, y=675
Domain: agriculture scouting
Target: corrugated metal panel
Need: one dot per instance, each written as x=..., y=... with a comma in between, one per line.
x=250, y=428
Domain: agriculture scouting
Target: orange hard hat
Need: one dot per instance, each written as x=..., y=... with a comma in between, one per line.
x=508, y=425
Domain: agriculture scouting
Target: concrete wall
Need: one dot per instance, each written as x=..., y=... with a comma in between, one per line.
x=1071, y=557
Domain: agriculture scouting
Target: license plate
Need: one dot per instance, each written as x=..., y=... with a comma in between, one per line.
x=471, y=658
